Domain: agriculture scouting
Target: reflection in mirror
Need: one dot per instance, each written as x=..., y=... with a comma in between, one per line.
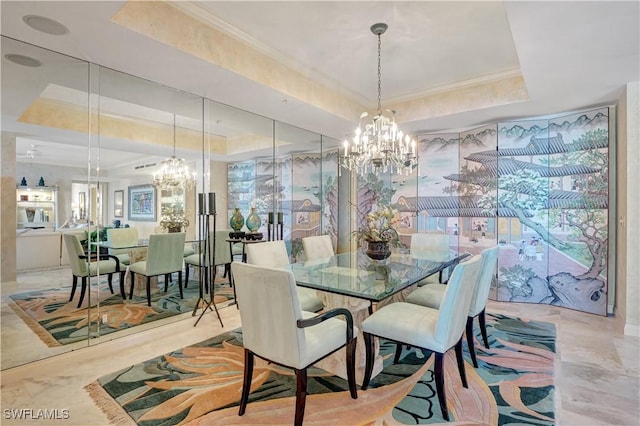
x=250, y=162
x=44, y=115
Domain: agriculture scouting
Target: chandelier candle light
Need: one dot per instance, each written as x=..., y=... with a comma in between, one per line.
x=379, y=146
x=174, y=171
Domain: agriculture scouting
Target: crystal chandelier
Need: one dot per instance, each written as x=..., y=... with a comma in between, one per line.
x=378, y=145
x=174, y=172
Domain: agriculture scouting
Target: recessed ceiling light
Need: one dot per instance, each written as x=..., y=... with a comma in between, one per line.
x=23, y=60
x=46, y=25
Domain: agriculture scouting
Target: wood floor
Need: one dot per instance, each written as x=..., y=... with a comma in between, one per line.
x=597, y=367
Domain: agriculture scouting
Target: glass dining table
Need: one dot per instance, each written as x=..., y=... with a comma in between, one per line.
x=360, y=284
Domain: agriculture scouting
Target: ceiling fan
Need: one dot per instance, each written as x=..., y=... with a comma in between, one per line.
x=31, y=153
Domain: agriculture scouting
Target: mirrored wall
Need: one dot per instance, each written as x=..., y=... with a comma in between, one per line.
x=89, y=146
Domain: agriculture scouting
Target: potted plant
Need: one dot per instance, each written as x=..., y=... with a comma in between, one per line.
x=379, y=232
x=173, y=219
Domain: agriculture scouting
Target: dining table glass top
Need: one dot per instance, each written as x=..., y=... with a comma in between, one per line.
x=355, y=274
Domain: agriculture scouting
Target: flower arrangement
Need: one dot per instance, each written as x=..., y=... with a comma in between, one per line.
x=380, y=226
x=173, y=218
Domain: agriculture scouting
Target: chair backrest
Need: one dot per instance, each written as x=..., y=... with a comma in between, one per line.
x=165, y=253
x=487, y=272
x=272, y=254
x=269, y=309
x=121, y=237
x=75, y=250
x=221, y=250
x=317, y=247
x=452, y=314
x=430, y=246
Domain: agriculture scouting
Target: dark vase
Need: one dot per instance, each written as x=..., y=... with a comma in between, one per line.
x=378, y=250
x=175, y=229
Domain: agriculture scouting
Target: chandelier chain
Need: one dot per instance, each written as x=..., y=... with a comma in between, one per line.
x=379, y=76
x=378, y=145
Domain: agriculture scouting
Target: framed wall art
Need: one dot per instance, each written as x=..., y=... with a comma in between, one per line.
x=142, y=203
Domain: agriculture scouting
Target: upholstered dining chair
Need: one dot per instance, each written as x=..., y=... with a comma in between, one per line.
x=317, y=247
x=431, y=246
x=122, y=237
x=437, y=330
x=164, y=257
x=83, y=267
x=220, y=256
x=276, y=329
x=432, y=295
x=274, y=254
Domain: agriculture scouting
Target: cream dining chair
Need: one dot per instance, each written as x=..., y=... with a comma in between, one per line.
x=274, y=255
x=83, y=267
x=434, y=247
x=426, y=328
x=121, y=240
x=164, y=257
x=432, y=295
x=317, y=247
x=220, y=256
x=276, y=329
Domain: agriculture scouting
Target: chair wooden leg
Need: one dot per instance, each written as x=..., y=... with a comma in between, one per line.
x=180, y=283
x=186, y=275
x=246, y=382
x=122, y=274
x=83, y=290
x=483, y=328
x=148, y=290
x=439, y=373
x=131, y=289
x=110, y=281
x=227, y=268
x=469, y=333
x=73, y=289
x=351, y=367
x=301, y=395
x=460, y=359
x=396, y=357
x=166, y=282
x=370, y=355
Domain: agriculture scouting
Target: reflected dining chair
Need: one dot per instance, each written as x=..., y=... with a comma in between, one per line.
x=220, y=256
x=437, y=330
x=317, y=247
x=274, y=254
x=82, y=266
x=432, y=295
x=276, y=329
x=431, y=246
x=122, y=237
x=164, y=257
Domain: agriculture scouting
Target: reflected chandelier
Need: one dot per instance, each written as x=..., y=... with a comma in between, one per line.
x=378, y=145
x=174, y=172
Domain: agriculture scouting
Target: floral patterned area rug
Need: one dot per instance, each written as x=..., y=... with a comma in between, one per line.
x=201, y=385
x=58, y=321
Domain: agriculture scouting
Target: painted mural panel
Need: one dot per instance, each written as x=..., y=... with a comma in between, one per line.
x=241, y=180
x=329, y=195
x=475, y=185
x=305, y=205
x=424, y=202
x=557, y=197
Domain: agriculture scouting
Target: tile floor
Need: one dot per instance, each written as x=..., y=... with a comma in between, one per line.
x=597, y=367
